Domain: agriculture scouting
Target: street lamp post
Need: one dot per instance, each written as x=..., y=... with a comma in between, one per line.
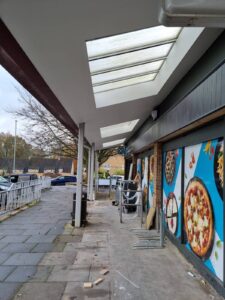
x=14, y=154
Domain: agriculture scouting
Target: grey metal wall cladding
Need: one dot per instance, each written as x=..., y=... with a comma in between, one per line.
x=208, y=97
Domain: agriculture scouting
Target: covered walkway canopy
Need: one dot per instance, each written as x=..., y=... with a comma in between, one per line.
x=67, y=55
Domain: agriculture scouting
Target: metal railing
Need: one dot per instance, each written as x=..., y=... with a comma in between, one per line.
x=45, y=183
x=21, y=193
x=124, y=200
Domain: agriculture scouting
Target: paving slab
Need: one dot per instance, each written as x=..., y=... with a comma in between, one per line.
x=21, y=274
x=41, y=239
x=93, y=236
x=42, y=274
x=4, y=257
x=58, y=247
x=12, y=231
x=15, y=238
x=8, y=290
x=84, y=245
x=57, y=258
x=84, y=257
x=36, y=231
x=5, y=271
x=40, y=291
x=18, y=247
x=43, y=248
x=69, y=273
x=27, y=259
x=3, y=245
x=75, y=290
x=68, y=239
x=58, y=229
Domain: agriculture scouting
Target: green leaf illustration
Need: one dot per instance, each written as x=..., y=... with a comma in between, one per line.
x=219, y=244
x=216, y=255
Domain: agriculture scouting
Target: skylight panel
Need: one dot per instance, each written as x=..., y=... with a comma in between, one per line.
x=132, y=40
x=113, y=143
x=123, y=83
x=129, y=59
x=127, y=73
x=118, y=128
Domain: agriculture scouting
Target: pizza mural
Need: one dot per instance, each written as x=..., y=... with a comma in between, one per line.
x=139, y=166
x=145, y=181
x=151, y=181
x=172, y=164
x=203, y=203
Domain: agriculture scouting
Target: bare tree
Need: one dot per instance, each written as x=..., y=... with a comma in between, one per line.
x=105, y=154
x=47, y=134
x=43, y=130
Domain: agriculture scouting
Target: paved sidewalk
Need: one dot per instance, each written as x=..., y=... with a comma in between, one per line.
x=27, y=237
x=41, y=258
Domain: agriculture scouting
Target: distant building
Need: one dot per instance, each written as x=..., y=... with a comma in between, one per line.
x=113, y=164
x=39, y=165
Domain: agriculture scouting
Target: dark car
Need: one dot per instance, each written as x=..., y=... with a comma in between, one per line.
x=63, y=180
x=14, y=178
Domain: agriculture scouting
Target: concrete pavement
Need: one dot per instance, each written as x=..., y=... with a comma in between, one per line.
x=42, y=257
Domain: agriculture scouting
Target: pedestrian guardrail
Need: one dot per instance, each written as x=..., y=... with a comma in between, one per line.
x=22, y=193
x=45, y=183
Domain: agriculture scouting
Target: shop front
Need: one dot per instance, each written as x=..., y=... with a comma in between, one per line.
x=192, y=196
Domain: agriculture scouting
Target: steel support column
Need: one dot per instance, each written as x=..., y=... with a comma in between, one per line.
x=96, y=172
x=79, y=175
x=89, y=173
x=92, y=171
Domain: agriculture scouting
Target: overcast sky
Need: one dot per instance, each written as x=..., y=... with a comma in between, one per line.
x=9, y=100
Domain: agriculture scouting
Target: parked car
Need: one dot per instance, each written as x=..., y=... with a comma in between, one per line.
x=14, y=178
x=63, y=180
x=4, y=184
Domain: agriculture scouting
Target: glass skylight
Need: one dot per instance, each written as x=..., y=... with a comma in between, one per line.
x=130, y=58
x=113, y=143
x=126, y=73
x=130, y=41
x=123, y=83
x=118, y=128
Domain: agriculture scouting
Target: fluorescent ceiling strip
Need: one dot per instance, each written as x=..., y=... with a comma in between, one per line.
x=118, y=128
x=152, y=67
x=129, y=59
x=113, y=143
x=132, y=40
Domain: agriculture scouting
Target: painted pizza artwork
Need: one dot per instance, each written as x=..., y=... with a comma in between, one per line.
x=151, y=182
x=139, y=166
x=172, y=162
x=203, y=203
x=145, y=182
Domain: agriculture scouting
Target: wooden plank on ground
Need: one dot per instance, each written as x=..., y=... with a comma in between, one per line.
x=150, y=217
